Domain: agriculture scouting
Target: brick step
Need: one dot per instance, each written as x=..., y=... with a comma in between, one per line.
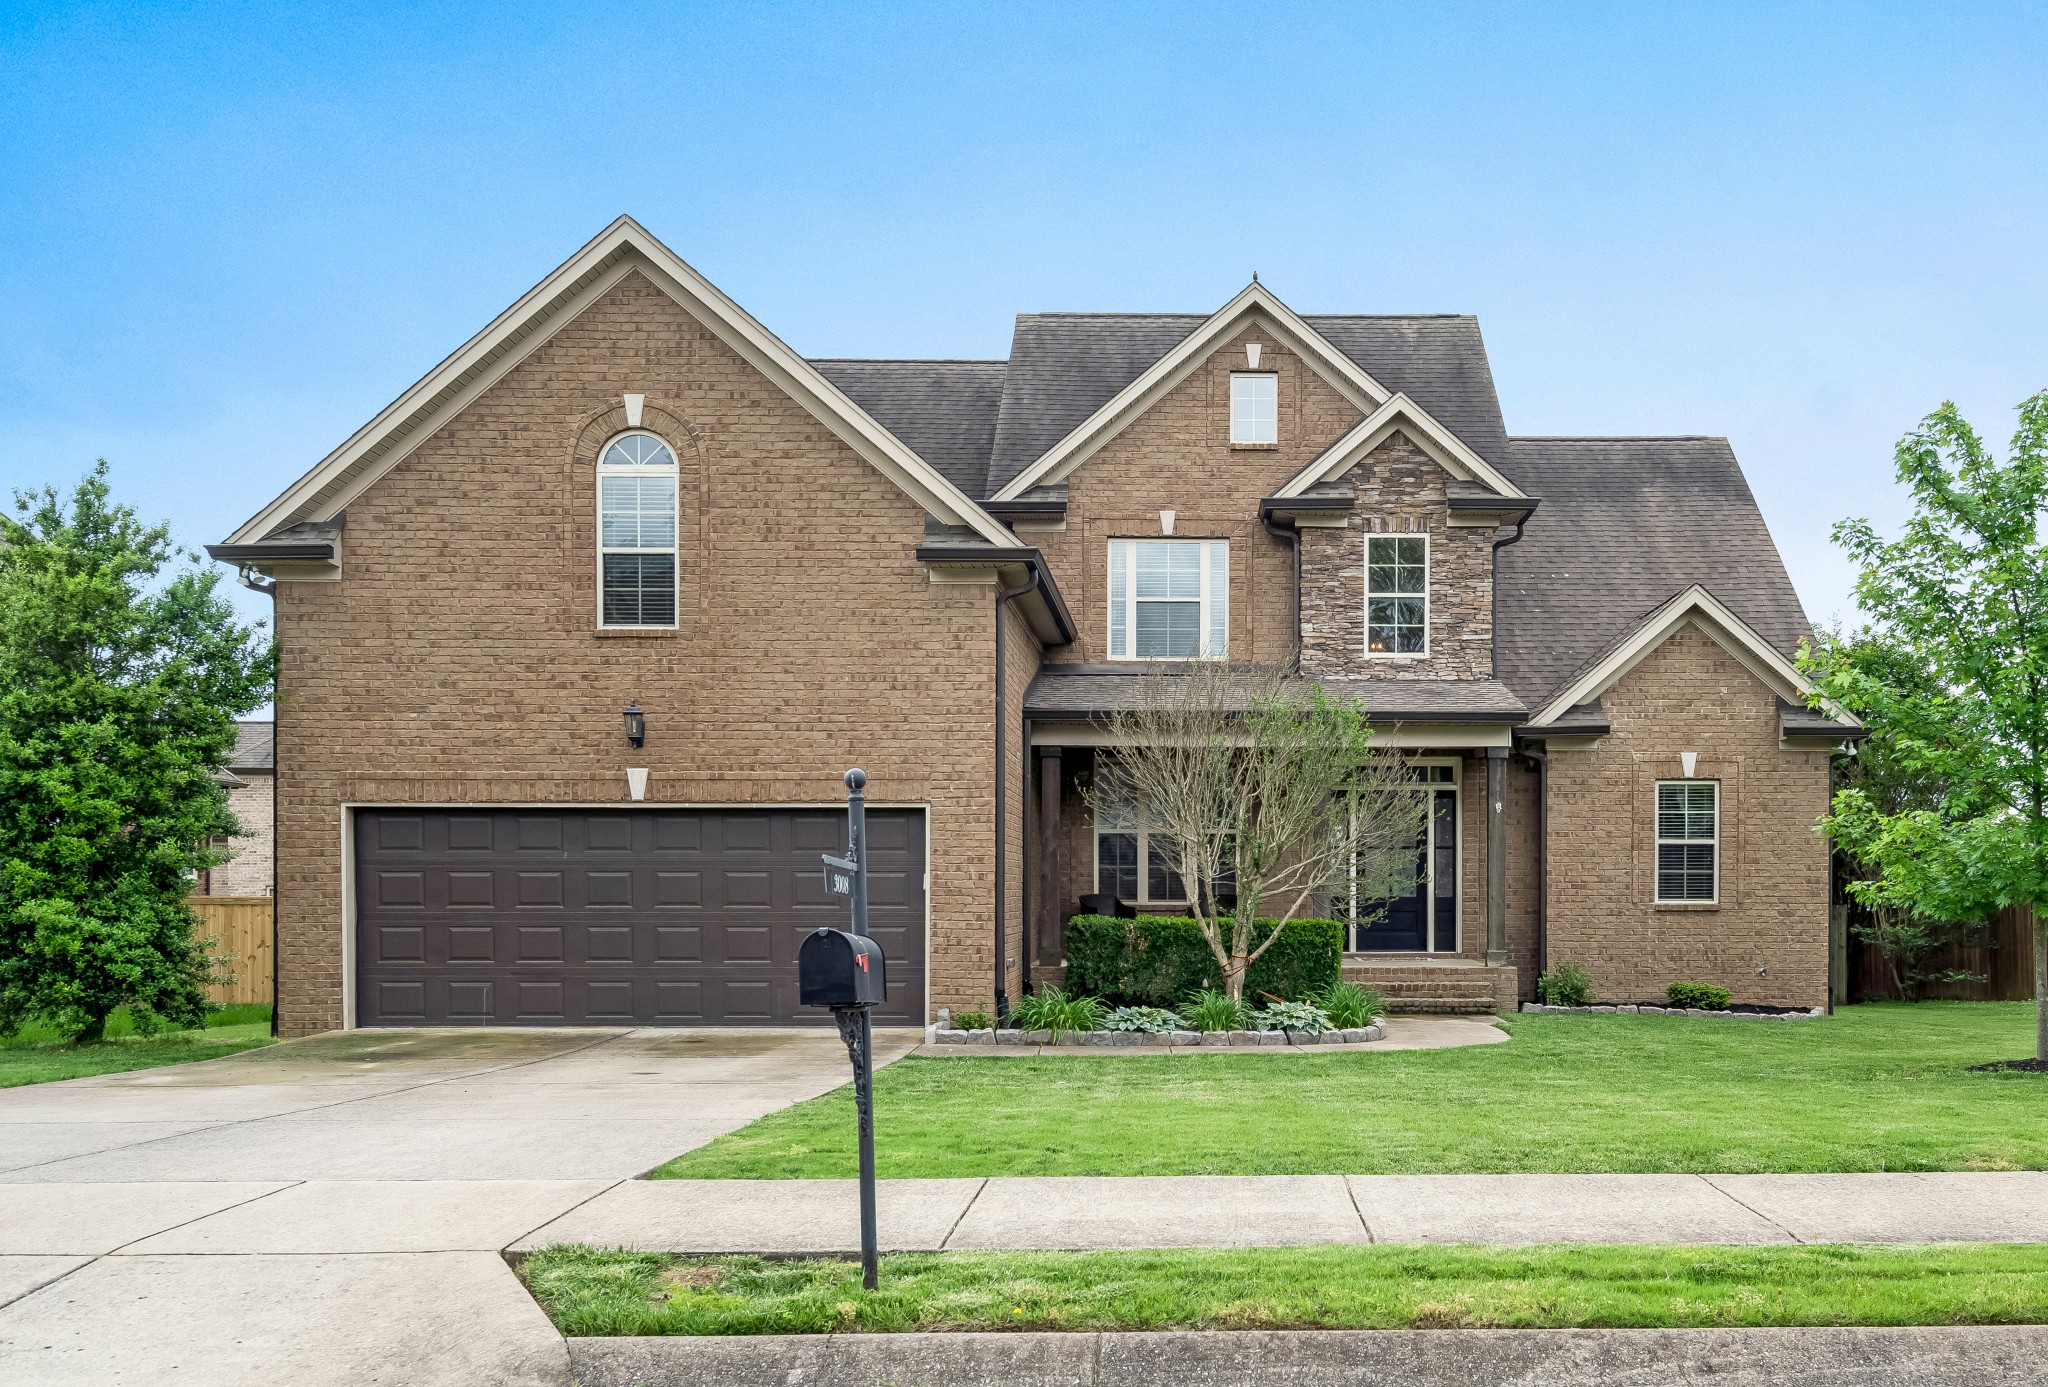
x=1407, y=986
x=1440, y=1006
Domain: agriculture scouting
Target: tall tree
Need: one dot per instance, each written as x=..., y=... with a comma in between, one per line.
x=118, y=694
x=1960, y=600
x=1263, y=790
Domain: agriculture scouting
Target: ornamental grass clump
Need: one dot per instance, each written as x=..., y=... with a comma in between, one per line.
x=1303, y=1018
x=1350, y=1006
x=1051, y=1009
x=1147, y=1020
x=1698, y=996
x=1210, y=1010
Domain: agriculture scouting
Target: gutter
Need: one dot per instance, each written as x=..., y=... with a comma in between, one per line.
x=1292, y=534
x=988, y=556
x=1493, y=593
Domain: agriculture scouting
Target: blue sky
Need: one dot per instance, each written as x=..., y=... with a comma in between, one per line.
x=230, y=234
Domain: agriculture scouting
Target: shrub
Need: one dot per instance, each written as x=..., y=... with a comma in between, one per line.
x=1567, y=985
x=1157, y=960
x=1349, y=1006
x=1053, y=1009
x=1150, y=1020
x=1210, y=1010
x=1700, y=996
x=972, y=1021
x=1304, y=1017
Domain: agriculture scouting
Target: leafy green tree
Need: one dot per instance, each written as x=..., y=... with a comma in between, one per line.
x=1960, y=601
x=1893, y=782
x=118, y=694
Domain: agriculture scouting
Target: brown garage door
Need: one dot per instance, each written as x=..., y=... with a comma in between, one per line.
x=550, y=917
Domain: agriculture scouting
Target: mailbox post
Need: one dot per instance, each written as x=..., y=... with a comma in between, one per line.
x=848, y=973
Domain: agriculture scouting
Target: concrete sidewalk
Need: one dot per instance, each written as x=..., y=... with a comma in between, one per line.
x=1084, y=1212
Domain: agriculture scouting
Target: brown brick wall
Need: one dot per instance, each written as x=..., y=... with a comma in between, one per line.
x=457, y=661
x=1400, y=490
x=1177, y=456
x=1767, y=938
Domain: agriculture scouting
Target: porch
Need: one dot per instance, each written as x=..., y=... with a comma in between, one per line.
x=1438, y=986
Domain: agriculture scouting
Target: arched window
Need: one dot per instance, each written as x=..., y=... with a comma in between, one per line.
x=636, y=522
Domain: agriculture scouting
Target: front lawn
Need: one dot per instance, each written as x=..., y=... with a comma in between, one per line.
x=587, y=1291
x=37, y=1054
x=1875, y=1087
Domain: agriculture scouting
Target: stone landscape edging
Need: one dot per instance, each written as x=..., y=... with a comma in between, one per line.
x=1172, y=1040
x=1940, y=1356
x=1636, y=1009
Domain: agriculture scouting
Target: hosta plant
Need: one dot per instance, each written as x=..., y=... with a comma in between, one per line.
x=1150, y=1020
x=1304, y=1018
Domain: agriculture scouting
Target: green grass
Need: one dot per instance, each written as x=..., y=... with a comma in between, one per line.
x=1879, y=1087
x=36, y=1053
x=587, y=1291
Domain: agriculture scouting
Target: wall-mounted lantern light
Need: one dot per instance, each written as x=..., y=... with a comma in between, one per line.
x=636, y=724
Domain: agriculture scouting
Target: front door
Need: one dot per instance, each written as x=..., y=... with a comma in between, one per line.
x=1422, y=916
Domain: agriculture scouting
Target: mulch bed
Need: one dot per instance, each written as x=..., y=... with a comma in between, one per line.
x=2023, y=1066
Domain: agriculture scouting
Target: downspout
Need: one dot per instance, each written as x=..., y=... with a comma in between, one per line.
x=244, y=575
x=1493, y=595
x=1543, y=778
x=1004, y=596
x=1293, y=537
x=1541, y=759
x=1026, y=942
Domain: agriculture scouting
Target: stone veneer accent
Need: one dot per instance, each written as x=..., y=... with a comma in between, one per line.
x=1400, y=490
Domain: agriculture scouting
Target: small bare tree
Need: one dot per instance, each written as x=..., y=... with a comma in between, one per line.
x=1247, y=778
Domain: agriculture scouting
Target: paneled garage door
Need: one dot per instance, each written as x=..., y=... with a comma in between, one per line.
x=551, y=917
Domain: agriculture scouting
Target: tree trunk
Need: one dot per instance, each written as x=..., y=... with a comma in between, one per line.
x=92, y=1032
x=1234, y=975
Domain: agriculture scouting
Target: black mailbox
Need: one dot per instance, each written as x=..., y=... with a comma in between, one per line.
x=837, y=969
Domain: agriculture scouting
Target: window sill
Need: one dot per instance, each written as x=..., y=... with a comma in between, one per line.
x=1255, y=447
x=638, y=632
x=1685, y=907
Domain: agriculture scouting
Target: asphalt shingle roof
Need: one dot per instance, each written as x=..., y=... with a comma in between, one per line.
x=1627, y=524
x=1057, y=692
x=944, y=411
x=255, y=747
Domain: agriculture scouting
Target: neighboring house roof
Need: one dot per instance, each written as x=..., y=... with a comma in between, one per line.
x=1090, y=690
x=625, y=247
x=1064, y=367
x=1627, y=526
x=255, y=746
x=944, y=410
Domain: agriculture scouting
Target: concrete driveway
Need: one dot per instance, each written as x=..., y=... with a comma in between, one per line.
x=330, y=1210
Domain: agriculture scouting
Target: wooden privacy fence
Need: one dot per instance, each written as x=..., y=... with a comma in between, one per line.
x=2002, y=955
x=247, y=930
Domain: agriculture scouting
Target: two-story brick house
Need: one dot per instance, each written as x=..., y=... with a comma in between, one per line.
x=580, y=633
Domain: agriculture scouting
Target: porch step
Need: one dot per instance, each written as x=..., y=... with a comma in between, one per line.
x=1453, y=988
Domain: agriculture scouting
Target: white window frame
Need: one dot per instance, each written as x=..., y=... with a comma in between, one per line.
x=1249, y=418
x=674, y=550
x=1657, y=832
x=1215, y=599
x=1427, y=583
x=1143, y=833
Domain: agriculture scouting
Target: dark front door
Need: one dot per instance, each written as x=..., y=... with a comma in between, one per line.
x=567, y=917
x=1422, y=917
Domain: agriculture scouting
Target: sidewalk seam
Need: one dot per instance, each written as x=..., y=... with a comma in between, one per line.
x=557, y=1218
x=962, y=1217
x=1708, y=1181
x=1356, y=1208
x=239, y=1203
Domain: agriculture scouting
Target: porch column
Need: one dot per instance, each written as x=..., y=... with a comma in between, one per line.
x=1046, y=893
x=1496, y=856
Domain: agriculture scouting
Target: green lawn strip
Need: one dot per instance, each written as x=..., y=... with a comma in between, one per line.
x=37, y=1054
x=1875, y=1087
x=588, y=1291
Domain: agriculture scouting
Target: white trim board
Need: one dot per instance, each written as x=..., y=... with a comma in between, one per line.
x=1445, y=448
x=620, y=249
x=1693, y=607
x=1256, y=306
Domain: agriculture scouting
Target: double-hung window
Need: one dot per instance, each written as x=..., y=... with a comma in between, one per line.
x=1397, y=594
x=1688, y=842
x=636, y=522
x=1129, y=864
x=1169, y=599
x=1254, y=407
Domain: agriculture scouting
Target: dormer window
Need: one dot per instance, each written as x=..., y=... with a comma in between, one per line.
x=636, y=523
x=1396, y=595
x=1254, y=407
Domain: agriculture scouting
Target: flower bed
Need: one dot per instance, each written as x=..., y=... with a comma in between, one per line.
x=1645, y=1009
x=1178, y=1040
